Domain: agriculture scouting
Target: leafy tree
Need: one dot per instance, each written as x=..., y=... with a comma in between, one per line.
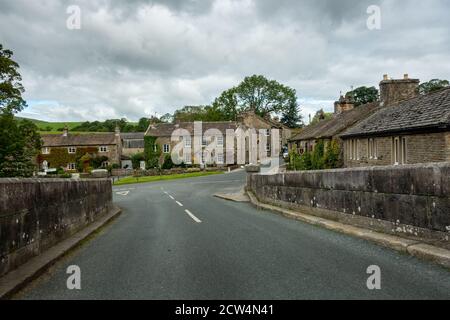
x=11, y=88
x=333, y=155
x=264, y=96
x=321, y=115
x=168, y=164
x=363, y=95
x=433, y=85
x=292, y=117
x=317, y=157
x=136, y=160
x=167, y=118
x=19, y=140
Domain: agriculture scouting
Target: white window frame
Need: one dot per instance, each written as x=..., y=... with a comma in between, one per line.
x=267, y=132
x=204, y=141
x=155, y=147
x=187, y=142
x=71, y=166
x=166, y=148
x=71, y=150
x=187, y=158
x=45, y=150
x=105, y=164
x=396, y=150
x=220, y=141
x=219, y=158
x=403, y=150
x=103, y=149
x=268, y=146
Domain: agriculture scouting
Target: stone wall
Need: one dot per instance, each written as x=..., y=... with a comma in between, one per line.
x=35, y=214
x=420, y=148
x=412, y=199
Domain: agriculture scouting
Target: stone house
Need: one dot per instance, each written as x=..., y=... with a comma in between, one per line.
x=132, y=143
x=345, y=115
x=162, y=133
x=64, y=150
x=415, y=130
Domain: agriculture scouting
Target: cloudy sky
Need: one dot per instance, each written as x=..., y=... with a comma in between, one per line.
x=138, y=58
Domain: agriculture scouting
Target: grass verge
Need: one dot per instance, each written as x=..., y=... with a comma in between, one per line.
x=132, y=180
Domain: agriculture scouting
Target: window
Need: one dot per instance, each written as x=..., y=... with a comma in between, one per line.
x=220, y=141
x=399, y=150
x=187, y=158
x=358, y=145
x=155, y=148
x=187, y=142
x=71, y=166
x=204, y=142
x=267, y=146
x=166, y=148
x=403, y=146
x=267, y=132
x=103, y=149
x=45, y=150
x=105, y=164
x=220, y=158
x=72, y=150
x=373, y=150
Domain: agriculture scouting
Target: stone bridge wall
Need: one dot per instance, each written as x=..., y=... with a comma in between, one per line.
x=35, y=214
x=413, y=199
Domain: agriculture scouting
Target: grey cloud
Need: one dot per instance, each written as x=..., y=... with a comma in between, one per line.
x=133, y=58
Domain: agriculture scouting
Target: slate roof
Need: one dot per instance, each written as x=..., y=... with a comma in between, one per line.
x=166, y=129
x=132, y=135
x=428, y=112
x=74, y=139
x=331, y=127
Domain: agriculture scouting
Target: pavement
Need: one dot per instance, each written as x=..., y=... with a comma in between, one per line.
x=175, y=240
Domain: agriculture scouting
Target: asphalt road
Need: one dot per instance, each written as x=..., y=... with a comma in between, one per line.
x=157, y=250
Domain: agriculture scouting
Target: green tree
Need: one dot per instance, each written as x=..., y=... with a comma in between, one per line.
x=321, y=115
x=363, y=95
x=333, y=155
x=264, y=96
x=19, y=140
x=433, y=85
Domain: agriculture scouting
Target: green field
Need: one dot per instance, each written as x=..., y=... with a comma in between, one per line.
x=51, y=126
x=131, y=180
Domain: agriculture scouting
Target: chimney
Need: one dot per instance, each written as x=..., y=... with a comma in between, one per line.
x=65, y=131
x=393, y=91
x=344, y=104
x=117, y=130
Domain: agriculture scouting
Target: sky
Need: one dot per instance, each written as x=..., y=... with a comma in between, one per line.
x=136, y=58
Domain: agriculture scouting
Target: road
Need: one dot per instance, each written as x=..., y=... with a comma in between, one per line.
x=158, y=250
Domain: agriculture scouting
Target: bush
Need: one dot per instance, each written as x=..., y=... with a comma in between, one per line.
x=152, y=163
x=136, y=160
x=60, y=171
x=168, y=164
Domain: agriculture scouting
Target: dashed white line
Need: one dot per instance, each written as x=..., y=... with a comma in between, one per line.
x=192, y=216
x=179, y=203
x=171, y=197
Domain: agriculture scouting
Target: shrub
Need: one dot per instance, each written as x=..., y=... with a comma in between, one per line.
x=168, y=164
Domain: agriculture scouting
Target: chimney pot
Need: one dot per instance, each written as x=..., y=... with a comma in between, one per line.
x=406, y=76
x=385, y=77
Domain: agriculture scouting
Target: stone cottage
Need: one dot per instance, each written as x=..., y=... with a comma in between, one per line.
x=345, y=115
x=415, y=130
x=65, y=149
x=162, y=133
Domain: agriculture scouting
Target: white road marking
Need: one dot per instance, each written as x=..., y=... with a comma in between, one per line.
x=192, y=216
x=123, y=193
x=171, y=197
x=179, y=203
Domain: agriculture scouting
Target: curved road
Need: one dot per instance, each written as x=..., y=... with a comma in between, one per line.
x=158, y=250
